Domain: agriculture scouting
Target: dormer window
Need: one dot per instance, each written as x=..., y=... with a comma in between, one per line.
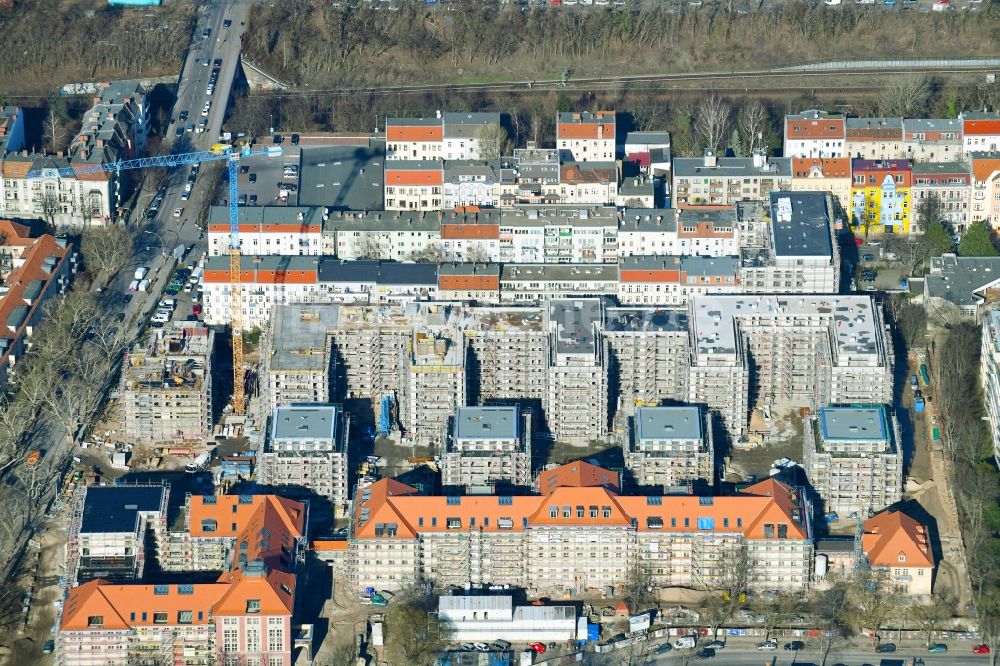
x=902, y=557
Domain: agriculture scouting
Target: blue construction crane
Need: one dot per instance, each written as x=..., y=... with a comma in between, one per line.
x=219, y=151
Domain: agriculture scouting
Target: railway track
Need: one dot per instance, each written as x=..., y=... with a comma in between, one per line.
x=675, y=83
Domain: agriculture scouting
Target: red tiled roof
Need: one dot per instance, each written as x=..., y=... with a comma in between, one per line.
x=893, y=539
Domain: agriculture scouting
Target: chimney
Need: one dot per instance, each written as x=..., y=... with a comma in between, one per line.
x=600, y=131
x=759, y=159
x=710, y=160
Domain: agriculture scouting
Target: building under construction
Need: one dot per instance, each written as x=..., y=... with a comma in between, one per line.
x=487, y=448
x=670, y=448
x=166, y=385
x=297, y=367
x=853, y=459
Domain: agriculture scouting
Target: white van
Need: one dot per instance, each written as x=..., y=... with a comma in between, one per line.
x=133, y=285
x=685, y=643
x=144, y=285
x=168, y=303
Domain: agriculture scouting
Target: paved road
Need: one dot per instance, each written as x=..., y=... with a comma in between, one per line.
x=747, y=656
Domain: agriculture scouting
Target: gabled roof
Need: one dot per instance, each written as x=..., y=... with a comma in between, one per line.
x=814, y=124
x=893, y=539
x=985, y=166
x=274, y=590
x=578, y=474
x=816, y=167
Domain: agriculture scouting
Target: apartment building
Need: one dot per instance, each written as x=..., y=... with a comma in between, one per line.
x=586, y=137
x=980, y=132
x=166, y=385
x=244, y=617
x=561, y=234
x=279, y=230
x=985, y=200
x=670, y=447
x=80, y=200
x=806, y=351
x=853, y=458
x=32, y=271
x=815, y=133
x=658, y=280
x=651, y=351
x=471, y=237
x=875, y=139
x=831, y=174
x=297, y=365
x=534, y=283
x=471, y=183
x=576, y=397
x=595, y=183
x=306, y=453
x=643, y=143
x=486, y=448
x=449, y=136
x=951, y=183
x=389, y=236
x=470, y=282
x=800, y=254
x=530, y=176
x=724, y=181
x=580, y=534
x=899, y=545
x=108, y=537
x=276, y=280
x=435, y=384
x=881, y=196
x=116, y=126
x=989, y=371
x=414, y=184
x=651, y=231
x=933, y=139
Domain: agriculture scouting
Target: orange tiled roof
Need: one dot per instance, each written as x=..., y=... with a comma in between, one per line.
x=893, y=539
x=833, y=167
x=815, y=128
x=414, y=133
x=470, y=231
x=13, y=233
x=578, y=473
x=984, y=168
x=413, y=177
x=31, y=270
x=388, y=508
x=983, y=127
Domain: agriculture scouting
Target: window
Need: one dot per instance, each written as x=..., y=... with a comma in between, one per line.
x=705, y=501
x=673, y=522
x=230, y=639
x=606, y=511
x=654, y=501
x=208, y=499
x=275, y=639
x=505, y=500
x=902, y=557
x=253, y=639
x=768, y=531
x=783, y=531
x=95, y=621
x=553, y=512
x=185, y=589
x=593, y=512
x=654, y=522
x=159, y=618
x=580, y=511
x=185, y=617
x=161, y=589
x=706, y=523
x=567, y=512
x=253, y=605
x=454, y=500
x=454, y=523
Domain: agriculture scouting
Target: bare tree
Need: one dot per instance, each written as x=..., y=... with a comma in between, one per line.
x=637, y=588
x=730, y=576
x=494, y=142
x=712, y=122
x=874, y=599
x=930, y=617
x=906, y=96
x=106, y=248
x=775, y=609
x=752, y=121
x=53, y=131
x=477, y=254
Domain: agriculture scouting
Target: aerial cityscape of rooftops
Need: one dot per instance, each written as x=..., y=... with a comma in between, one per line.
x=332, y=342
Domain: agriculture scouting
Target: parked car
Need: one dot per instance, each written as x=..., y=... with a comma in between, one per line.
x=537, y=648
x=227, y=23
x=178, y=212
x=937, y=648
x=982, y=648
x=482, y=647
x=767, y=645
x=795, y=646
x=467, y=647
x=218, y=62
x=715, y=645
x=295, y=139
x=127, y=298
x=253, y=178
x=886, y=647
x=500, y=646
x=49, y=646
x=869, y=257
x=685, y=643
x=662, y=648
x=705, y=653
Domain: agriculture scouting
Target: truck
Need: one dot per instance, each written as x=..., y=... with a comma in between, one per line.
x=914, y=384
x=924, y=375
x=144, y=285
x=197, y=463
x=918, y=405
x=140, y=273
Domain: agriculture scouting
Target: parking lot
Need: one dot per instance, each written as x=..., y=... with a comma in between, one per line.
x=258, y=181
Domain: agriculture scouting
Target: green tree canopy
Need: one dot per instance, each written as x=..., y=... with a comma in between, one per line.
x=977, y=242
x=937, y=238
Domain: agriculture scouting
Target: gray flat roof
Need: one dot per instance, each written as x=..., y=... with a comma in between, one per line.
x=573, y=321
x=649, y=219
x=646, y=319
x=413, y=122
x=937, y=168
x=261, y=216
x=732, y=167
x=647, y=137
x=657, y=423
x=467, y=125
x=343, y=177
x=468, y=268
x=957, y=279
x=541, y=215
x=800, y=225
x=854, y=423
x=486, y=423
x=304, y=421
x=116, y=509
x=691, y=264
x=933, y=125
